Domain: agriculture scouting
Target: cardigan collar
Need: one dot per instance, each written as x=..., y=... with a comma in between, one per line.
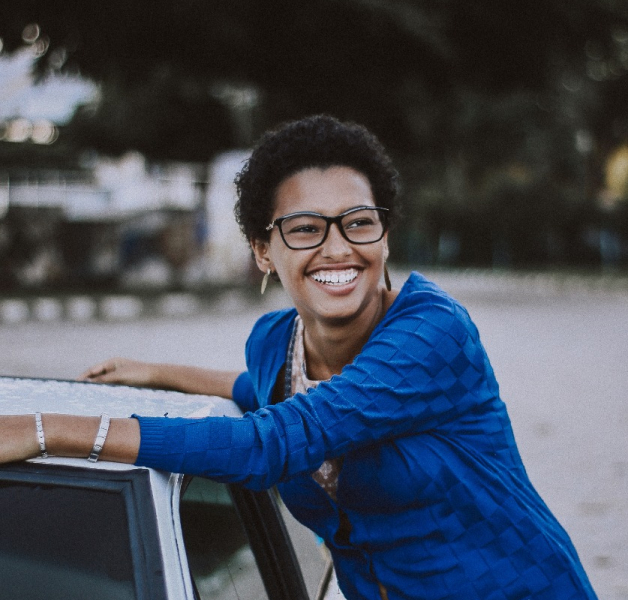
x=266, y=357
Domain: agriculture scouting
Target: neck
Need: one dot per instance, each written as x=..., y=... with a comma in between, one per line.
x=331, y=346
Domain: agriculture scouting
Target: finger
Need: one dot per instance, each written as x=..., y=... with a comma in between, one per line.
x=108, y=377
x=91, y=373
x=98, y=371
x=99, y=379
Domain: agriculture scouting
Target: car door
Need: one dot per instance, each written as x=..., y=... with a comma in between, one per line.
x=242, y=545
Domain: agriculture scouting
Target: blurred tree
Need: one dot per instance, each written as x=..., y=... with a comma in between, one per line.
x=492, y=106
x=370, y=60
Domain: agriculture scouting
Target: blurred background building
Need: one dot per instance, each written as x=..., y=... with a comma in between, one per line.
x=123, y=223
x=123, y=124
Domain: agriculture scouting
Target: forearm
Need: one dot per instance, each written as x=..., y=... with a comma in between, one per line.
x=194, y=380
x=67, y=435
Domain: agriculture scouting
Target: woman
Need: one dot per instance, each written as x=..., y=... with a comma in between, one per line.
x=374, y=411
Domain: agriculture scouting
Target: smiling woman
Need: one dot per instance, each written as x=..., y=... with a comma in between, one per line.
x=374, y=411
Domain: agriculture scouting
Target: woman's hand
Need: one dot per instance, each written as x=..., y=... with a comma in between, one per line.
x=124, y=371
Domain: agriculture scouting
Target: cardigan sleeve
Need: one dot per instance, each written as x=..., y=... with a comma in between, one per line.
x=423, y=366
x=243, y=393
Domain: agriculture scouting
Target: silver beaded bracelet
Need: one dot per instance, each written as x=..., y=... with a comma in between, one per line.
x=101, y=436
x=40, y=436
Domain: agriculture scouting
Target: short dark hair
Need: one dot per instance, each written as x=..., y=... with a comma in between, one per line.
x=319, y=141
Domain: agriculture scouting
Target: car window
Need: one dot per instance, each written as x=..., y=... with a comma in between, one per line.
x=312, y=555
x=64, y=543
x=221, y=561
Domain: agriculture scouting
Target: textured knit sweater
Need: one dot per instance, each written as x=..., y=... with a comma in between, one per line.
x=432, y=484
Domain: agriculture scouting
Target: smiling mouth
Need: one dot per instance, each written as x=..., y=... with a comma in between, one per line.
x=335, y=277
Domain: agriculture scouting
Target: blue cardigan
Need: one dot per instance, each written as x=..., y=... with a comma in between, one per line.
x=432, y=483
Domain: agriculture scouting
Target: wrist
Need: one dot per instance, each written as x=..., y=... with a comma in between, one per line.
x=30, y=447
x=77, y=444
x=158, y=376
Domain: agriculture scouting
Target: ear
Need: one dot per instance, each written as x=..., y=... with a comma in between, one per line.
x=261, y=251
x=385, y=245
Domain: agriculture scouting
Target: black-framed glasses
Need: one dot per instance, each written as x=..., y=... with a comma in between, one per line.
x=306, y=230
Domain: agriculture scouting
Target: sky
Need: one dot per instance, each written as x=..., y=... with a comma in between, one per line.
x=54, y=99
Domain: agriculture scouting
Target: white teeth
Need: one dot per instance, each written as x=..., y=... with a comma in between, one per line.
x=335, y=277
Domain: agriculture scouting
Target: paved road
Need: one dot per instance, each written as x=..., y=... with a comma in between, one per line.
x=560, y=357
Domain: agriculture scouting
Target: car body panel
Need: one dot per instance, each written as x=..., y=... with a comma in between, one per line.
x=27, y=395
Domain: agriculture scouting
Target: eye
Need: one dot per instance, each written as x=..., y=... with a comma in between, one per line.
x=303, y=225
x=361, y=221
x=303, y=229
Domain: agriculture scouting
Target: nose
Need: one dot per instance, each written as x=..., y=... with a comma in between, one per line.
x=335, y=245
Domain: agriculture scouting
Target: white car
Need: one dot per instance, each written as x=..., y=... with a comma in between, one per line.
x=71, y=529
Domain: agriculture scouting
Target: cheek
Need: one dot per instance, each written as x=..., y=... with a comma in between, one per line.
x=287, y=263
x=380, y=254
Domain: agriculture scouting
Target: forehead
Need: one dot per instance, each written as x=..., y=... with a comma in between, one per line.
x=328, y=191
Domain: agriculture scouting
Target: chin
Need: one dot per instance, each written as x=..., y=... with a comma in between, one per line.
x=339, y=315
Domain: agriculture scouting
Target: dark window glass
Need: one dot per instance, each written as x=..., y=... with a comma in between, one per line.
x=63, y=543
x=221, y=560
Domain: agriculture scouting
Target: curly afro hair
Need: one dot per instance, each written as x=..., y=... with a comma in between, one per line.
x=319, y=141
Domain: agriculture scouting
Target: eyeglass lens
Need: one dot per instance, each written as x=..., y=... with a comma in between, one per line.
x=306, y=231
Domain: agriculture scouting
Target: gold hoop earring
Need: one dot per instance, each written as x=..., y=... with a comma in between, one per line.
x=387, y=278
x=265, y=280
